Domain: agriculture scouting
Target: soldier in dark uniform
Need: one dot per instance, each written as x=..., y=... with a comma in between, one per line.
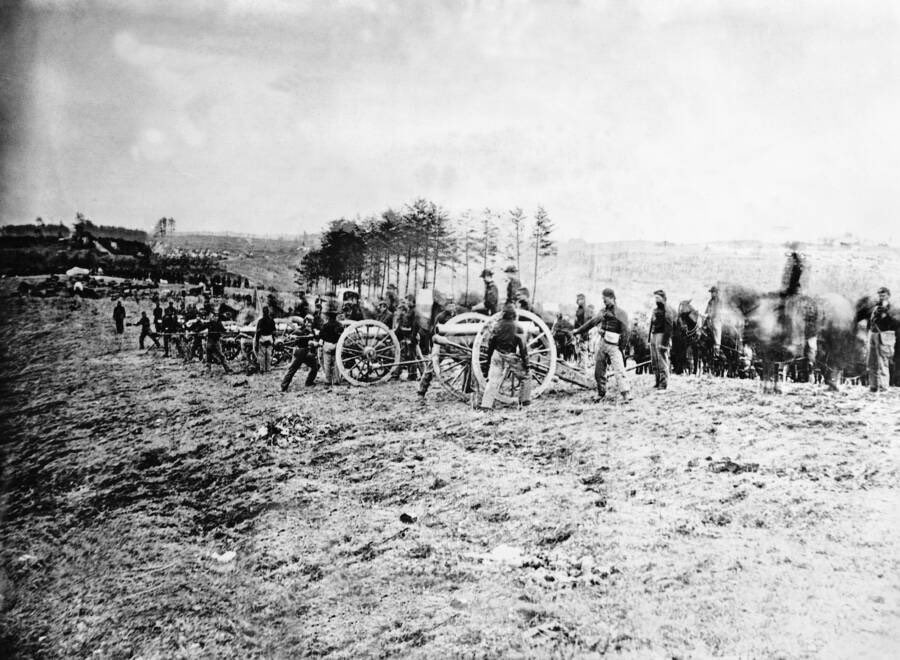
x=662, y=326
x=304, y=354
x=157, y=318
x=144, y=323
x=329, y=336
x=507, y=352
x=882, y=341
x=119, y=318
x=491, y=294
x=614, y=329
x=580, y=317
x=512, y=284
x=406, y=328
x=392, y=298
x=445, y=315
x=383, y=314
x=214, y=331
x=170, y=329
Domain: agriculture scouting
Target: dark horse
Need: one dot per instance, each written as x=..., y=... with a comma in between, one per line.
x=686, y=340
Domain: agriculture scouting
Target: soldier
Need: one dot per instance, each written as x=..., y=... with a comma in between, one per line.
x=882, y=341
x=170, y=328
x=713, y=316
x=329, y=336
x=523, y=298
x=614, y=328
x=446, y=314
x=304, y=353
x=406, y=328
x=662, y=326
x=580, y=310
x=383, y=314
x=157, y=318
x=193, y=339
x=513, y=284
x=214, y=331
x=119, y=318
x=264, y=341
x=506, y=353
x=144, y=323
x=491, y=295
x=392, y=298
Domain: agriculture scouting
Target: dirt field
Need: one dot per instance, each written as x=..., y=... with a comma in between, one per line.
x=706, y=521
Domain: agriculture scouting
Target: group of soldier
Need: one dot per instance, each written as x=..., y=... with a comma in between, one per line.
x=197, y=333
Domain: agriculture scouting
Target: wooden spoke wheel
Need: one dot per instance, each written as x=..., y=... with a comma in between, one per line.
x=541, y=356
x=367, y=352
x=452, y=361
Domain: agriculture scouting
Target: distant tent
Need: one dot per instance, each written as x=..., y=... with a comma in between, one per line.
x=75, y=271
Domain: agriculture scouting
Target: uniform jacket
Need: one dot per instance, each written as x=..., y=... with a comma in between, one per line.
x=662, y=321
x=506, y=339
x=612, y=319
x=491, y=297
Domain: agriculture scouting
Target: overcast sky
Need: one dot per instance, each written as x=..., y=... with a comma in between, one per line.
x=669, y=120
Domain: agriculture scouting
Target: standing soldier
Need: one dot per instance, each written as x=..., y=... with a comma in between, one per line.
x=304, y=353
x=383, y=314
x=512, y=285
x=579, y=310
x=392, y=298
x=713, y=316
x=506, y=353
x=662, y=326
x=264, y=340
x=157, y=318
x=446, y=314
x=614, y=328
x=406, y=328
x=170, y=328
x=119, y=318
x=214, y=331
x=329, y=335
x=491, y=295
x=882, y=341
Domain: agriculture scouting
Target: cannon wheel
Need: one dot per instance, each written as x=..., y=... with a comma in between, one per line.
x=541, y=358
x=367, y=352
x=452, y=362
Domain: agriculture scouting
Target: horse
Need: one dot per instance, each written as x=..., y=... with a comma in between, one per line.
x=686, y=339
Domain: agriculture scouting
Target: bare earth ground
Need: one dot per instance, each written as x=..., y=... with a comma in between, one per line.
x=566, y=529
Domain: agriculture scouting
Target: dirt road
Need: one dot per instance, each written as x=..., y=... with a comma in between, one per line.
x=151, y=510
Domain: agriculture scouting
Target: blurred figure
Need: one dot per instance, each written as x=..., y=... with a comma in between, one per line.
x=513, y=284
x=449, y=311
x=406, y=328
x=119, y=318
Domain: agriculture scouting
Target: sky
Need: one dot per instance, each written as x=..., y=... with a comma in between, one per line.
x=626, y=120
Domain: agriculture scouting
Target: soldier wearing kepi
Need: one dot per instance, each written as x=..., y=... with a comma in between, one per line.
x=662, y=325
x=330, y=334
x=491, y=295
x=614, y=329
x=882, y=341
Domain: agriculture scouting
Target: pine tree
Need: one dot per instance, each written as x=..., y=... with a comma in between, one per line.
x=543, y=245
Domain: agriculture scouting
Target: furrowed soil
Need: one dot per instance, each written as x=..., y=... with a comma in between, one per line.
x=709, y=520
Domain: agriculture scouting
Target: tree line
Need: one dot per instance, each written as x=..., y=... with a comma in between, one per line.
x=410, y=247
